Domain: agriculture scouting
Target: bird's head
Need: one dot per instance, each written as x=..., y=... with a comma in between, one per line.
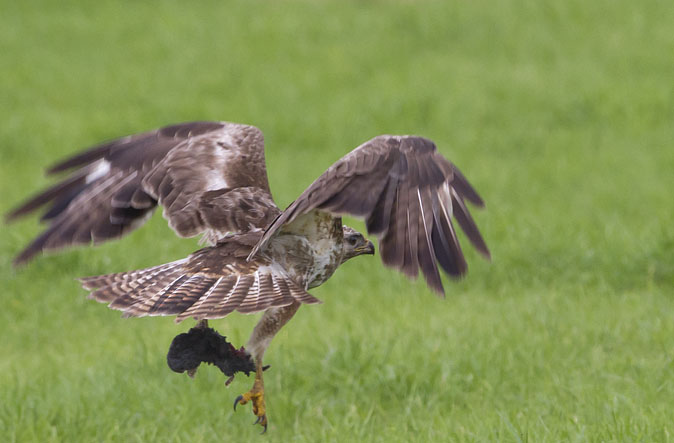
x=355, y=244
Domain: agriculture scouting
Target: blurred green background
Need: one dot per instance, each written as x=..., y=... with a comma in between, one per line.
x=560, y=113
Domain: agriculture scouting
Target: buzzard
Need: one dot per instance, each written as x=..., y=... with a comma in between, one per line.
x=210, y=178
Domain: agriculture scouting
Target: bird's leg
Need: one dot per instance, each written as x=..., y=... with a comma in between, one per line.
x=271, y=322
x=256, y=395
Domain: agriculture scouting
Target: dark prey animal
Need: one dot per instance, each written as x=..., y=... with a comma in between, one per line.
x=202, y=344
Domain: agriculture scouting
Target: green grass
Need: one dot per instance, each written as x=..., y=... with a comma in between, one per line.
x=560, y=113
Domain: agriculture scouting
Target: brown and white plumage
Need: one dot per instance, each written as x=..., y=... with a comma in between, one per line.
x=210, y=283
x=407, y=192
x=210, y=178
x=197, y=171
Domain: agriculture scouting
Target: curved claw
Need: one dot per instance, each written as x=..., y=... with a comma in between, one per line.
x=262, y=420
x=237, y=400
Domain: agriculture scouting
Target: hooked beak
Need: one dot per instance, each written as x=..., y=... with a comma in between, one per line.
x=367, y=249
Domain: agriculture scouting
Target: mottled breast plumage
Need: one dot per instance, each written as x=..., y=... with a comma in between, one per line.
x=310, y=248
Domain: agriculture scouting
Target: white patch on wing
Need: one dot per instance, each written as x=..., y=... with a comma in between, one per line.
x=102, y=167
x=225, y=137
x=215, y=178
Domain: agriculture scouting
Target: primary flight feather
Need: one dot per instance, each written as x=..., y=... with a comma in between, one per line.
x=211, y=179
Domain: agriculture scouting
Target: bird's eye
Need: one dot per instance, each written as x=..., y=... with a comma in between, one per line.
x=351, y=240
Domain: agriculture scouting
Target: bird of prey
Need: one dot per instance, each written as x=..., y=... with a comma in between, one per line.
x=211, y=179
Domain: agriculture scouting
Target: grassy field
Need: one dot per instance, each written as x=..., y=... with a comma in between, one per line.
x=560, y=113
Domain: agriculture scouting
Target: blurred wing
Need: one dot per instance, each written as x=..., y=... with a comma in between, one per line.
x=407, y=192
x=208, y=284
x=208, y=176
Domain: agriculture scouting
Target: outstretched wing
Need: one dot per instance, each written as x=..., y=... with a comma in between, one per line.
x=209, y=177
x=208, y=284
x=407, y=192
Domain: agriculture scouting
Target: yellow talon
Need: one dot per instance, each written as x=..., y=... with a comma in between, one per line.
x=256, y=395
